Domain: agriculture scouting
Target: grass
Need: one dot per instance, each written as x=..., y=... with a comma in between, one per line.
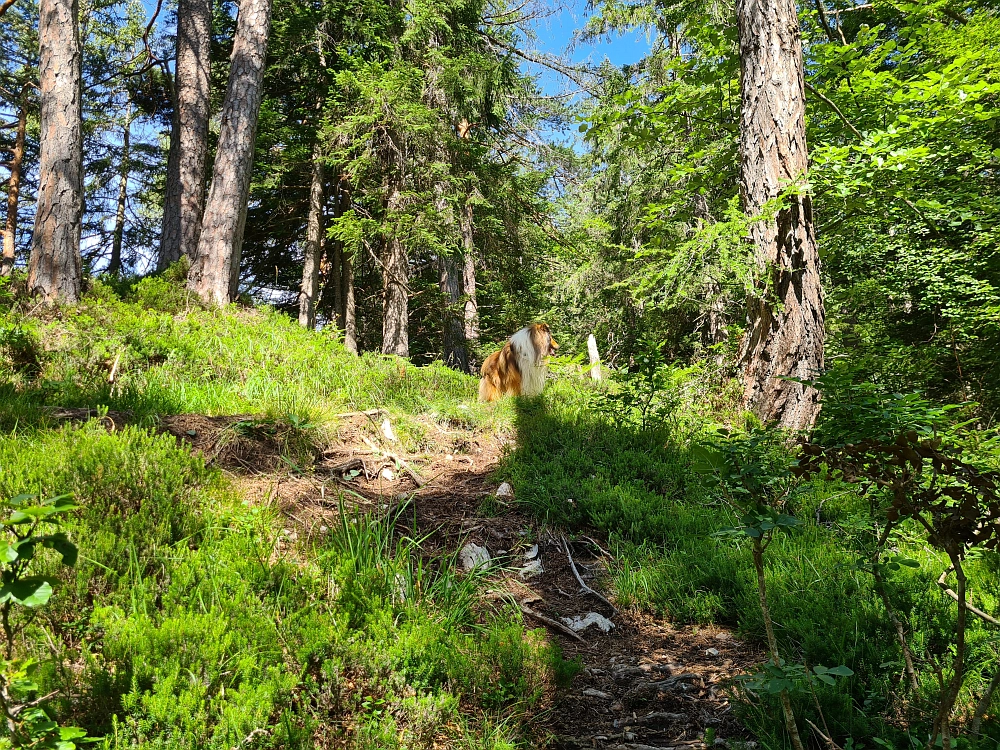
x=192, y=620
x=169, y=359
x=578, y=466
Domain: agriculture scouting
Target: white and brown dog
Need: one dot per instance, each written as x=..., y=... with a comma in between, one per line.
x=519, y=368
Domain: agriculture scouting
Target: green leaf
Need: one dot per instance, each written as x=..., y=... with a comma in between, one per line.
x=61, y=544
x=32, y=591
x=841, y=671
x=705, y=460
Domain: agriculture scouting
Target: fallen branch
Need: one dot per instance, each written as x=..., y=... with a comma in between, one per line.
x=829, y=742
x=551, y=623
x=972, y=608
x=400, y=462
x=584, y=586
x=368, y=413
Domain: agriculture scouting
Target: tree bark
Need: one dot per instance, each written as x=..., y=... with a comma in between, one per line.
x=115, y=265
x=785, y=315
x=395, y=283
x=215, y=272
x=471, y=305
x=314, y=242
x=450, y=282
x=194, y=41
x=170, y=228
x=192, y=107
x=14, y=189
x=349, y=307
x=55, y=269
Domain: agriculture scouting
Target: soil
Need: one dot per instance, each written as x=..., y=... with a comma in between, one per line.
x=643, y=685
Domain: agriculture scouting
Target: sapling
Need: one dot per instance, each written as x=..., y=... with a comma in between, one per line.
x=955, y=503
x=26, y=722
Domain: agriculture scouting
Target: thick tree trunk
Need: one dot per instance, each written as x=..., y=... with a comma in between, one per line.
x=55, y=268
x=785, y=316
x=14, y=189
x=115, y=265
x=170, y=228
x=185, y=202
x=216, y=267
x=395, y=288
x=194, y=39
x=314, y=243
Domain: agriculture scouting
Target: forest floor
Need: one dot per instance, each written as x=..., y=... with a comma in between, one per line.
x=642, y=684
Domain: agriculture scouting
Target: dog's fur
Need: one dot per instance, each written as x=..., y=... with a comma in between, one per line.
x=519, y=368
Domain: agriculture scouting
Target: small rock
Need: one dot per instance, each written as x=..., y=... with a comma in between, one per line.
x=712, y=651
x=532, y=553
x=531, y=570
x=473, y=556
x=579, y=623
x=723, y=636
x=387, y=474
x=323, y=529
x=449, y=457
x=387, y=430
x=594, y=693
x=505, y=490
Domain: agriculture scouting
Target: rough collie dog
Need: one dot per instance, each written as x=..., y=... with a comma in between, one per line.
x=519, y=368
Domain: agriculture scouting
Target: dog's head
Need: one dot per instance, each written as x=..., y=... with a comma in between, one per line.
x=542, y=336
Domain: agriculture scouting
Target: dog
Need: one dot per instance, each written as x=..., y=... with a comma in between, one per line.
x=519, y=368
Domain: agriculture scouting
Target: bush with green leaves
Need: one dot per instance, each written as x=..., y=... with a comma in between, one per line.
x=31, y=525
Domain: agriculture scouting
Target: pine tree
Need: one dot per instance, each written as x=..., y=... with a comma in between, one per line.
x=215, y=273
x=785, y=315
x=55, y=267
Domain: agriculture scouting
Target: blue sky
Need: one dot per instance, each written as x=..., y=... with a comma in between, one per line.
x=555, y=33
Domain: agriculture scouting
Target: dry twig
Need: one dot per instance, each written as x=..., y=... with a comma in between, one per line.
x=583, y=585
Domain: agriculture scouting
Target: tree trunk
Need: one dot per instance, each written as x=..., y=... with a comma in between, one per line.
x=186, y=202
x=395, y=285
x=785, y=316
x=170, y=228
x=335, y=256
x=115, y=266
x=216, y=267
x=314, y=242
x=350, y=309
x=194, y=39
x=471, y=306
x=14, y=189
x=55, y=269
x=350, y=320
x=450, y=281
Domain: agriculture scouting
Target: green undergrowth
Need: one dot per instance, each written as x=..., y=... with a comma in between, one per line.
x=155, y=352
x=583, y=467
x=193, y=621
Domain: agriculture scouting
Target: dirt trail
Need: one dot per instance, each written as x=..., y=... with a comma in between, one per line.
x=644, y=684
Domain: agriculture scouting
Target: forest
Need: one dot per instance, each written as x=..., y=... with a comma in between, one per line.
x=256, y=253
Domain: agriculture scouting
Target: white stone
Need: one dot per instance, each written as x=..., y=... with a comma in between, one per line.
x=387, y=430
x=532, y=569
x=387, y=474
x=505, y=490
x=532, y=553
x=582, y=622
x=473, y=556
